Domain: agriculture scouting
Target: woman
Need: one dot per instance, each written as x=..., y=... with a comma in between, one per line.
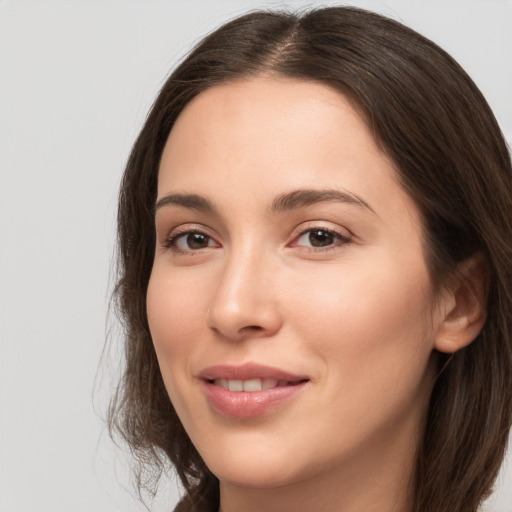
x=315, y=245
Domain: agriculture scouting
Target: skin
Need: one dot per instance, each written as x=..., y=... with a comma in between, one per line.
x=357, y=317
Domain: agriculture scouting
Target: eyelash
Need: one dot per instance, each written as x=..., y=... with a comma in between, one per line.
x=170, y=242
x=340, y=239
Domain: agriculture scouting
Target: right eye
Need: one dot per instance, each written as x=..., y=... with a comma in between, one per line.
x=190, y=242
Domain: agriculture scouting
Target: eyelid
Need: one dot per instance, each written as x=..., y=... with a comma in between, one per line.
x=300, y=231
x=168, y=242
x=322, y=224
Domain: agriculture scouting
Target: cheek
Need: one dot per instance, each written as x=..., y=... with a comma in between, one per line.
x=370, y=321
x=374, y=297
x=373, y=336
x=175, y=311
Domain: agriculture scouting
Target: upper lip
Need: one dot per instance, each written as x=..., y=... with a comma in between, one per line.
x=248, y=371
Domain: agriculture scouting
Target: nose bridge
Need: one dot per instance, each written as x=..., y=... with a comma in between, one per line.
x=243, y=302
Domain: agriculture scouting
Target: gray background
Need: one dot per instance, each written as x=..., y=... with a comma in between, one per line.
x=76, y=81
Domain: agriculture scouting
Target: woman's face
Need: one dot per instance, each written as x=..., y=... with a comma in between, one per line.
x=289, y=269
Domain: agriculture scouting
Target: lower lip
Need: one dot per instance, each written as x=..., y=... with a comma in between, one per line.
x=248, y=404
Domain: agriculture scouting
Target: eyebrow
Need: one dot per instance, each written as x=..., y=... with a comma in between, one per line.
x=306, y=197
x=289, y=201
x=193, y=201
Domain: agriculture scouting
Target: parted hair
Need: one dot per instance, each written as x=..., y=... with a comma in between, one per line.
x=431, y=120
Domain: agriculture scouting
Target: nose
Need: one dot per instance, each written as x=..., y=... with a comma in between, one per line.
x=244, y=304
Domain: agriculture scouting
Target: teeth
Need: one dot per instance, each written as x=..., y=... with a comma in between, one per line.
x=236, y=385
x=252, y=385
x=268, y=383
x=249, y=385
x=223, y=383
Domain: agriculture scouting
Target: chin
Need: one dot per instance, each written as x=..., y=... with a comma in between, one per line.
x=254, y=469
x=259, y=476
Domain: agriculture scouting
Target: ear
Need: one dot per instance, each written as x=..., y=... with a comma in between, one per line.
x=463, y=305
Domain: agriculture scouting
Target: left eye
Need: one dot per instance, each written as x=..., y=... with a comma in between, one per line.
x=319, y=238
x=192, y=241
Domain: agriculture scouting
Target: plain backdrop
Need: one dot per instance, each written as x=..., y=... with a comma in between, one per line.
x=76, y=81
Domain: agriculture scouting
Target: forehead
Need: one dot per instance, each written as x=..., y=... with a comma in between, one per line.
x=262, y=116
x=264, y=136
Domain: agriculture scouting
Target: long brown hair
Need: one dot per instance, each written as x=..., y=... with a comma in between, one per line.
x=433, y=122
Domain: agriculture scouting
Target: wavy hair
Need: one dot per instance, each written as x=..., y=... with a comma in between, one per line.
x=432, y=121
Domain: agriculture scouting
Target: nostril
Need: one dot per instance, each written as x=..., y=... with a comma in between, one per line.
x=253, y=328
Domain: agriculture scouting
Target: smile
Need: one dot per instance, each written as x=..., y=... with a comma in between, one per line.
x=249, y=390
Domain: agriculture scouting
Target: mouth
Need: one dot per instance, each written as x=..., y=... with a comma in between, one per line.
x=249, y=390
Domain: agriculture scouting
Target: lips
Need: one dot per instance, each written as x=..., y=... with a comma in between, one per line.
x=249, y=390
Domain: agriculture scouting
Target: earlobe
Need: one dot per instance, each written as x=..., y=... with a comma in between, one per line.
x=464, y=305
